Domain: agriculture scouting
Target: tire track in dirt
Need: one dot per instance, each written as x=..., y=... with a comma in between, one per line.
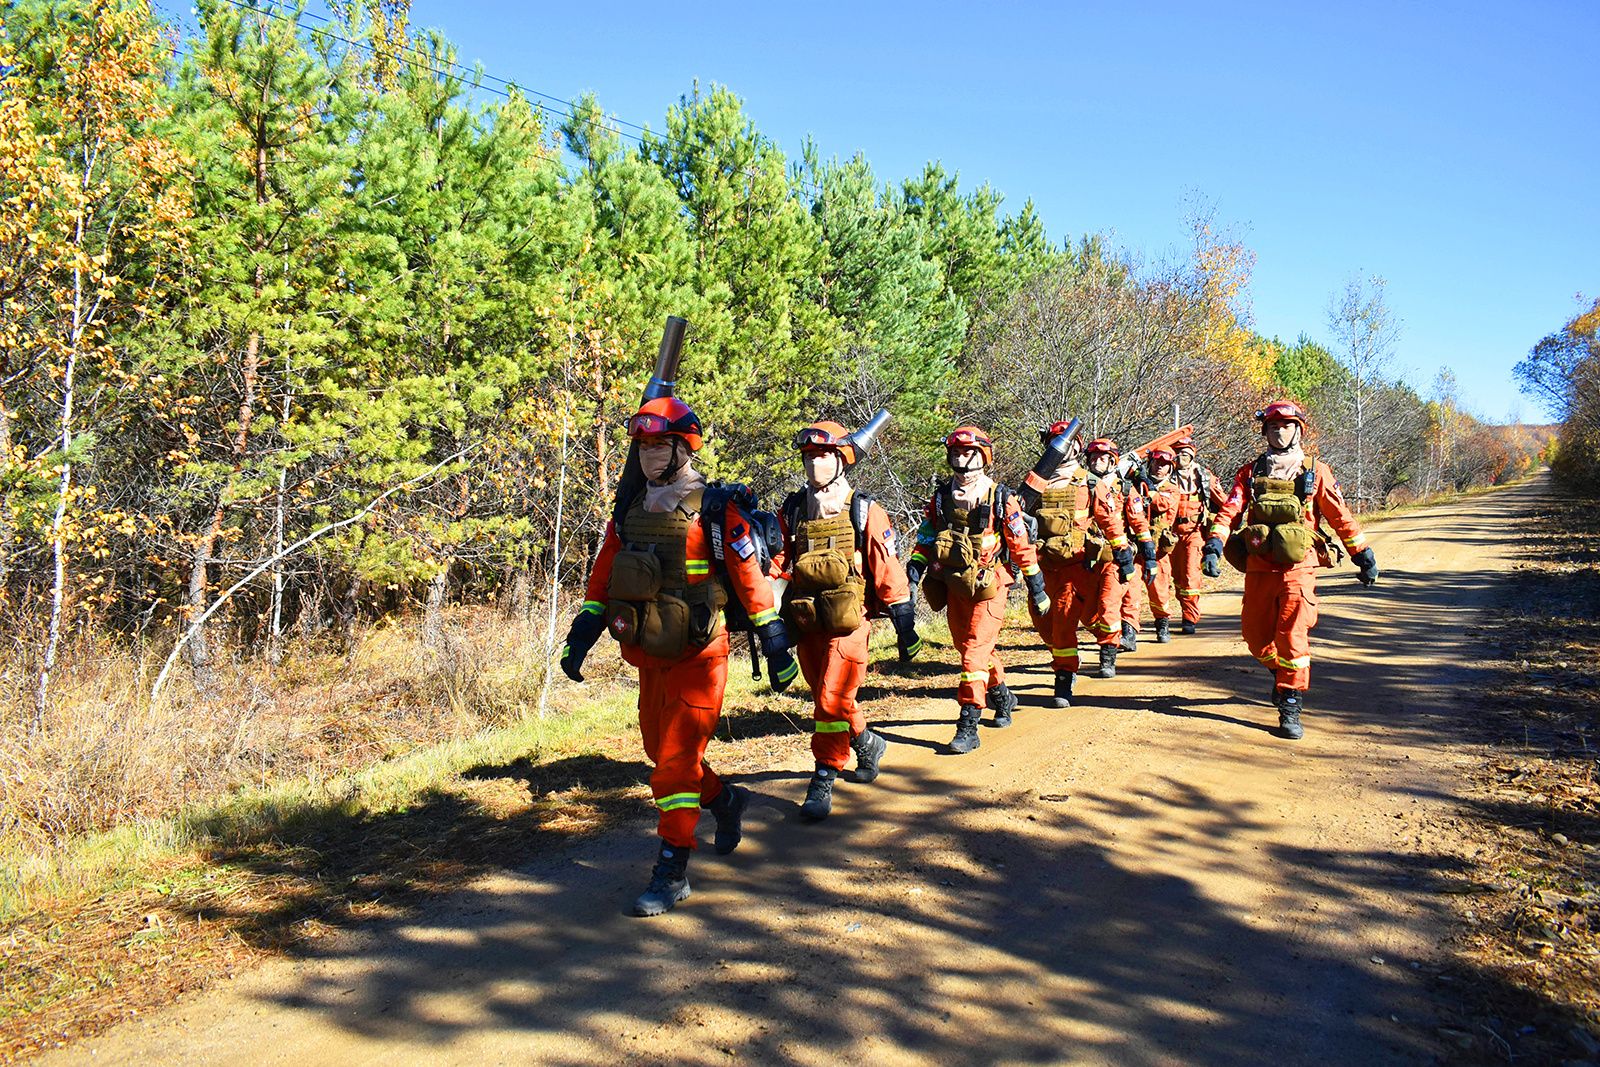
x=1149, y=877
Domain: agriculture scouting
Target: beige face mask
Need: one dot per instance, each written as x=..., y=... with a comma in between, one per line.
x=822, y=467
x=657, y=460
x=1283, y=435
x=1185, y=460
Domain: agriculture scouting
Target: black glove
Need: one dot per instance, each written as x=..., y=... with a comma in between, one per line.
x=586, y=630
x=775, y=645
x=1210, y=558
x=1152, y=570
x=904, y=617
x=1038, y=599
x=1366, y=565
x=914, y=571
x=1123, y=558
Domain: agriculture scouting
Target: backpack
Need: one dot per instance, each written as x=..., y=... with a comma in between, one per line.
x=765, y=536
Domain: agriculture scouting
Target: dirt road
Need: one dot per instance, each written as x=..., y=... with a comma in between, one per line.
x=1149, y=877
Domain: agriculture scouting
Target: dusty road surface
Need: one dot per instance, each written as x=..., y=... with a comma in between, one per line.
x=1150, y=877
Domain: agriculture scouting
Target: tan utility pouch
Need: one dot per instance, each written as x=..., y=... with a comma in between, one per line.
x=823, y=568
x=1053, y=522
x=664, y=630
x=952, y=550
x=1275, y=503
x=1233, y=550
x=622, y=620
x=1097, y=550
x=1166, y=540
x=935, y=594
x=706, y=601
x=1289, y=543
x=1324, y=556
x=834, y=612
x=634, y=576
x=1061, y=549
x=1255, y=538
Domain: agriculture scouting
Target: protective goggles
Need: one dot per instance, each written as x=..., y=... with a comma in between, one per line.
x=647, y=425
x=966, y=439
x=1281, y=411
x=816, y=437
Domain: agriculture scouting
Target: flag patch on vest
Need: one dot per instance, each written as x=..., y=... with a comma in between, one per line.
x=742, y=544
x=888, y=540
x=1018, y=529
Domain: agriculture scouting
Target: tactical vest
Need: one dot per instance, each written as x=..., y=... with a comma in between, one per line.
x=651, y=602
x=827, y=590
x=966, y=546
x=1060, y=512
x=1276, y=522
x=1162, y=530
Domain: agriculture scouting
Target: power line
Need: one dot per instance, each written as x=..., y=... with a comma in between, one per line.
x=476, y=73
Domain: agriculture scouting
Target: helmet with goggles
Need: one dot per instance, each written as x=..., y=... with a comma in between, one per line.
x=1162, y=455
x=667, y=416
x=1102, y=444
x=1287, y=410
x=827, y=434
x=971, y=437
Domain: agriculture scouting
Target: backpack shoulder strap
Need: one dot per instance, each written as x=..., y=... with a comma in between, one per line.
x=793, y=510
x=860, y=505
x=947, y=505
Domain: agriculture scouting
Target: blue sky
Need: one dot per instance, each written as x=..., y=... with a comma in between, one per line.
x=1450, y=148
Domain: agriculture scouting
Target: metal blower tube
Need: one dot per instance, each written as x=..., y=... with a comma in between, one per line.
x=665, y=378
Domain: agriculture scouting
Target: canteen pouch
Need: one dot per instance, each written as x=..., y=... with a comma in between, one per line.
x=935, y=593
x=1233, y=550
x=622, y=620
x=634, y=576
x=1254, y=538
x=824, y=568
x=705, y=600
x=1167, y=541
x=664, y=631
x=1289, y=543
x=1061, y=549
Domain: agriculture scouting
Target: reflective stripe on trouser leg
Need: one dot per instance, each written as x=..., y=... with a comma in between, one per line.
x=678, y=711
x=1279, y=610
x=834, y=668
x=1186, y=573
x=1103, y=597
x=974, y=626
x=1059, y=630
x=1160, y=590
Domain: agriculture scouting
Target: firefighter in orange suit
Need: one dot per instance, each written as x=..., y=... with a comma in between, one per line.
x=1066, y=512
x=1200, y=493
x=1136, y=519
x=1161, y=508
x=1107, y=554
x=1280, y=499
x=654, y=588
x=959, y=550
x=836, y=572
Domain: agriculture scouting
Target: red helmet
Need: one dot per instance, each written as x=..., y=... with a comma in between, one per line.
x=971, y=437
x=1183, y=442
x=828, y=434
x=1162, y=455
x=1282, y=409
x=1101, y=444
x=1048, y=434
x=666, y=415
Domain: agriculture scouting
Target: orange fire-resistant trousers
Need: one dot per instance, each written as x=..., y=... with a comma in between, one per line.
x=834, y=668
x=1066, y=584
x=1185, y=559
x=975, y=626
x=678, y=711
x=1279, y=610
x=1160, y=590
x=1100, y=594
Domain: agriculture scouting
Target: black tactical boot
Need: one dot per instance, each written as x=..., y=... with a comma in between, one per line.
x=1064, y=689
x=729, y=811
x=1108, y=662
x=1163, y=631
x=1188, y=627
x=819, y=794
x=669, y=882
x=1289, y=704
x=966, y=738
x=1130, y=637
x=1002, y=701
x=869, y=748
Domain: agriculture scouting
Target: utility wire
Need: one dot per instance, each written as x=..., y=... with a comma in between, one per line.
x=477, y=74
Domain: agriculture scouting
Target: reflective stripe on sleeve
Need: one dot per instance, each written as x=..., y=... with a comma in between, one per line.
x=594, y=606
x=1031, y=569
x=1356, y=543
x=761, y=618
x=1118, y=542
